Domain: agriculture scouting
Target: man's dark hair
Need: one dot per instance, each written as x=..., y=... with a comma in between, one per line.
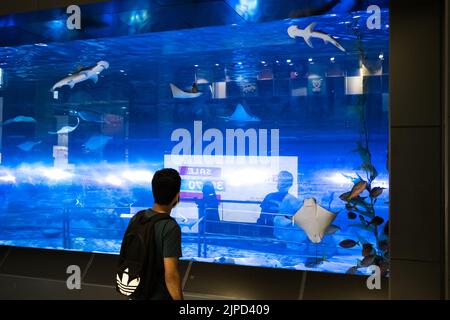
x=166, y=184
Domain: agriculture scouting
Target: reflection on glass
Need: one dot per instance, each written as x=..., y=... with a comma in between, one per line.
x=260, y=120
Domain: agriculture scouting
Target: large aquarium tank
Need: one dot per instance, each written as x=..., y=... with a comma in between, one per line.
x=278, y=127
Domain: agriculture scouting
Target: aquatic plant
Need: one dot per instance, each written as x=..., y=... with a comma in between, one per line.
x=364, y=207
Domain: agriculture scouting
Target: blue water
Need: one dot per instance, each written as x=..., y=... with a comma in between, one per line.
x=128, y=116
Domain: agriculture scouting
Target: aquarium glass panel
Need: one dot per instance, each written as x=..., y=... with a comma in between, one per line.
x=279, y=129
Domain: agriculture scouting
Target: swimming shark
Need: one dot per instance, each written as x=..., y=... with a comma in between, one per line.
x=66, y=129
x=19, y=119
x=308, y=33
x=82, y=75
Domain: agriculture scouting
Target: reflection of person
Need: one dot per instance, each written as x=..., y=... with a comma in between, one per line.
x=194, y=88
x=209, y=208
x=275, y=202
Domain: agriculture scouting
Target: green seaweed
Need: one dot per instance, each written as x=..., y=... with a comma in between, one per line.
x=365, y=206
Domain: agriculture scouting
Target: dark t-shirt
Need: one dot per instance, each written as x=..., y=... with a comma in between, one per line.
x=168, y=245
x=269, y=206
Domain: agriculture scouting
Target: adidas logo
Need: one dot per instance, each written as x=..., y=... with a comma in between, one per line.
x=125, y=286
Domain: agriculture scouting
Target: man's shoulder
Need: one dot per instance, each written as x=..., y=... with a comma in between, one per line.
x=169, y=225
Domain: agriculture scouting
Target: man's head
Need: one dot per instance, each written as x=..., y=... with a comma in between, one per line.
x=285, y=181
x=166, y=185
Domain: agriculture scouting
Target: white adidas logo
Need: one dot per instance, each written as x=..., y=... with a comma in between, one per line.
x=127, y=287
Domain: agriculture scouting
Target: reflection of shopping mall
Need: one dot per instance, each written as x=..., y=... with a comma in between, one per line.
x=310, y=138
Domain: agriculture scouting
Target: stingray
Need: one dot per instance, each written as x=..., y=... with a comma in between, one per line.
x=19, y=119
x=97, y=142
x=177, y=93
x=29, y=145
x=240, y=115
x=314, y=220
x=66, y=129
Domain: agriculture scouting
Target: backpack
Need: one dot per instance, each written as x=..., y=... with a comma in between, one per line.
x=137, y=272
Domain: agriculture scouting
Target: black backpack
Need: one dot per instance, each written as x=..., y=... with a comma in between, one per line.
x=137, y=274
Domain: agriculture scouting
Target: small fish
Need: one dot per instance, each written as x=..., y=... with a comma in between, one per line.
x=377, y=221
x=351, y=215
x=352, y=270
x=19, y=119
x=376, y=192
x=367, y=261
x=347, y=244
x=344, y=196
x=332, y=229
x=314, y=262
x=357, y=189
x=367, y=249
x=27, y=146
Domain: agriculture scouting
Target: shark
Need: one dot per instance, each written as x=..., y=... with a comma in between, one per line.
x=308, y=33
x=82, y=75
x=66, y=129
x=19, y=119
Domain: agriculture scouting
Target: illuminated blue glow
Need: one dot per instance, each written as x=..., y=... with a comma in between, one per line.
x=99, y=187
x=7, y=21
x=247, y=8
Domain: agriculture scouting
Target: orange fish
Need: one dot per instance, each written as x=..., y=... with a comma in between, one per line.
x=357, y=189
x=376, y=192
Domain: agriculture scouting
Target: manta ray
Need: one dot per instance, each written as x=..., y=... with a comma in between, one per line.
x=96, y=143
x=88, y=116
x=308, y=33
x=240, y=115
x=29, y=145
x=19, y=119
x=66, y=129
x=82, y=75
x=314, y=220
